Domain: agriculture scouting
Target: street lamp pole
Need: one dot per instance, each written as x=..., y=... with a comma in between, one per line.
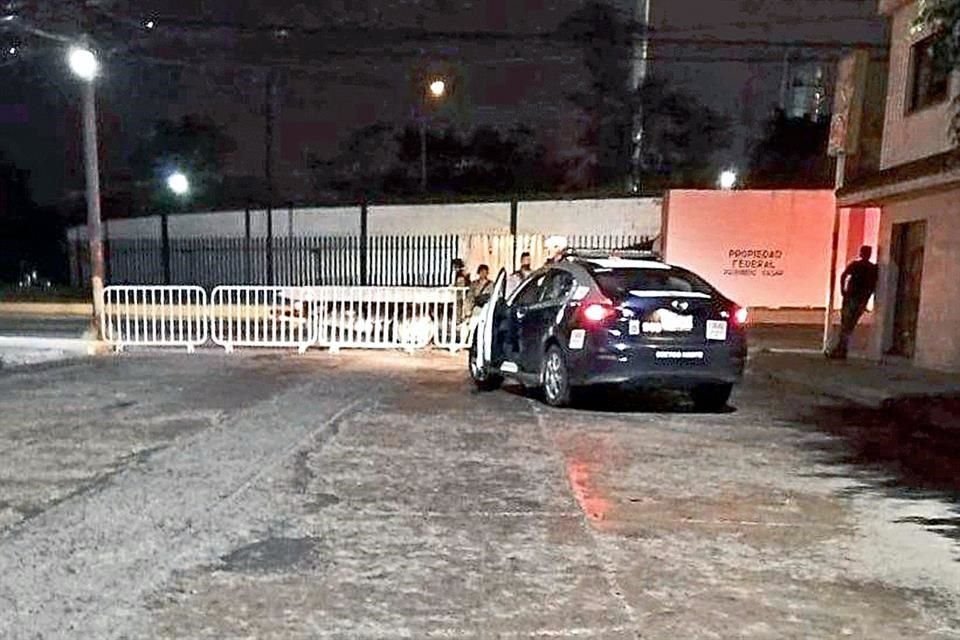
x=436, y=90
x=423, y=153
x=85, y=66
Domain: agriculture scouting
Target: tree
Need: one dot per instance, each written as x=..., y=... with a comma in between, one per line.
x=944, y=16
x=608, y=103
x=792, y=154
x=681, y=136
x=31, y=237
x=381, y=160
x=195, y=145
x=364, y=163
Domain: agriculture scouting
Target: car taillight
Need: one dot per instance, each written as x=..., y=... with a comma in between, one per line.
x=740, y=315
x=598, y=312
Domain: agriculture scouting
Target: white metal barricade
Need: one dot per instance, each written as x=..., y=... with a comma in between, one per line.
x=453, y=317
x=247, y=316
x=163, y=316
x=388, y=317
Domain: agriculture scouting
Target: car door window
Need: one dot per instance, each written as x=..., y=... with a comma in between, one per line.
x=530, y=293
x=558, y=286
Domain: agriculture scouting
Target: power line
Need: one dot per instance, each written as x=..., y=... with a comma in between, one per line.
x=409, y=36
x=365, y=34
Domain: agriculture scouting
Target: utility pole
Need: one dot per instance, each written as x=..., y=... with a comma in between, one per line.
x=641, y=50
x=432, y=94
x=834, y=249
x=269, y=116
x=423, y=153
x=94, y=223
x=85, y=66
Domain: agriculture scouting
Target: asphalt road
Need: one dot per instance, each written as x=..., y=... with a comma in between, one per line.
x=377, y=495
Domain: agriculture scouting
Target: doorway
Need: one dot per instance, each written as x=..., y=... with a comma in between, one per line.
x=907, y=250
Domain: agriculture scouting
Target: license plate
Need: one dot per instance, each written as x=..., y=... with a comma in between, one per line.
x=674, y=322
x=716, y=330
x=578, y=338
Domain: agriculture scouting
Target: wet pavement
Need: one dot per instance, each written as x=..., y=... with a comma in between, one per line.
x=378, y=495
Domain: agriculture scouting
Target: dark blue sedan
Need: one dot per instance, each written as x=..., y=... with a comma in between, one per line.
x=628, y=319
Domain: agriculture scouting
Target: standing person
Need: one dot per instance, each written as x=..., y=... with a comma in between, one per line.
x=555, y=246
x=858, y=284
x=482, y=287
x=478, y=294
x=525, y=265
x=521, y=274
x=461, y=278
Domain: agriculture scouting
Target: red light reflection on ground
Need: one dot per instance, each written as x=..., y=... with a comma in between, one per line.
x=595, y=506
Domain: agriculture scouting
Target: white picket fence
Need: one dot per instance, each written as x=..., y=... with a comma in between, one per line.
x=336, y=318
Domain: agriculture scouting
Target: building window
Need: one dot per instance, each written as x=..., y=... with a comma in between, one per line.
x=929, y=79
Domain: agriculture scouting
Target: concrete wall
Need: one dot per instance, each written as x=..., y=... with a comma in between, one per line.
x=328, y=221
x=629, y=216
x=938, y=326
x=483, y=217
x=788, y=232
x=911, y=136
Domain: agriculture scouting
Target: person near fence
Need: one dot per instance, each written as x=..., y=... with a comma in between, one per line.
x=461, y=277
x=555, y=246
x=478, y=293
x=482, y=287
x=521, y=274
x=858, y=284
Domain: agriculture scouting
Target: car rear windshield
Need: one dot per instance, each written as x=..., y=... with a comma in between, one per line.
x=618, y=283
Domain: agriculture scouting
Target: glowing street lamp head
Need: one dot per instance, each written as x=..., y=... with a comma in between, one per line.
x=83, y=63
x=438, y=88
x=178, y=183
x=728, y=179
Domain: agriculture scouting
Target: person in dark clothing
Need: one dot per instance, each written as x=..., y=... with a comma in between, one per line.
x=482, y=287
x=521, y=274
x=461, y=278
x=858, y=284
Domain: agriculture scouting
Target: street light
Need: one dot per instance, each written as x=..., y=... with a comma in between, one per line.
x=437, y=90
x=84, y=64
x=728, y=179
x=178, y=183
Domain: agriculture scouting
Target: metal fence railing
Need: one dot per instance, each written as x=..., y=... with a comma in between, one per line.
x=289, y=261
x=389, y=318
x=258, y=316
x=163, y=316
x=376, y=260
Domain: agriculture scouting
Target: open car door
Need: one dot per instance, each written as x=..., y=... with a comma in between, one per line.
x=486, y=354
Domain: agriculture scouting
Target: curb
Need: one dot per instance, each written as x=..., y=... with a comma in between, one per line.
x=73, y=345
x=42, y=309
x=863, y=396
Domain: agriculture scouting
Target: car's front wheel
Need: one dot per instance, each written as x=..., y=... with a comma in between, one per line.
x=711, y=397
x=555, y=378
x=482, y=377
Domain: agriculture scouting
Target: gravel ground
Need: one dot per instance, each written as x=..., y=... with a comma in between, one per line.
x=377, y=495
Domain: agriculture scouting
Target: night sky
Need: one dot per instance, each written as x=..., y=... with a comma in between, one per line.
x=333, y=85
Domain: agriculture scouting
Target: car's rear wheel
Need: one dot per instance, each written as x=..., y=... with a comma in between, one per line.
x=711, y=397
x=555, y=378
x=482, y=377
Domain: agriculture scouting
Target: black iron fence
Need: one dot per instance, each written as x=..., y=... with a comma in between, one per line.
x=293, y=261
